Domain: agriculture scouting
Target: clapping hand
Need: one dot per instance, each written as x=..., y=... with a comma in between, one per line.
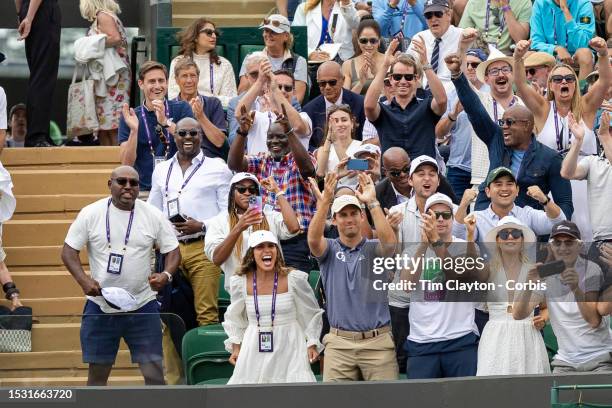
x=245, y=119
x=576, y=128
x=421, y=49
x=130, y=118
x=390, y=54
x=197, y=106
x=394, y=219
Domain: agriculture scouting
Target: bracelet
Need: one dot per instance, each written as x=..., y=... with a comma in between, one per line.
x=426, y=67
x=545, y=202
x=373, y=205
x=280, y=193
x=169, y=275
x=437, y=243
x=456, y=76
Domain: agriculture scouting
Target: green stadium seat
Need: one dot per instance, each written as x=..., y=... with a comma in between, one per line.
x=223, y=298
x=246, y=49
x=209, y=366
x=214, y=381
x=204, y=343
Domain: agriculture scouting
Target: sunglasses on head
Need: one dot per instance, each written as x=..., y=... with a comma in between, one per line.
x=122, y=181
x=209, y=32
x=254, y=190
x=495, y=71
x=430, y=14
x=364, y=40
x=557, y=79
x=509, y=121
x=331, y=82
x=253, y=74
x=287, y=88
x=274, y=23
x=398, y=77
x=473, y=65
x=191, y=132
x=446, y=215
x=397, y=173
x=568, y=243
x=515, y=233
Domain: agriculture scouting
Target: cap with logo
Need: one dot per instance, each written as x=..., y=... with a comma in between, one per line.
x=436, y=5
x=243, y=176
x=277, y=23
x=565, y=228
x=439, y=198
x=367, y=148
x=120, y=299
x=261, y=236
x=423, y=159
x=499, y=172
x=343, y=201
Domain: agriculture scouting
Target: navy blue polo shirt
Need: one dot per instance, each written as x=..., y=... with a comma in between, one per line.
x=413, y=128
x=144, y=160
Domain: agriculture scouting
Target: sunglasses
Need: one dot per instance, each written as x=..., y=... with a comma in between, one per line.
x=387, y=82
x=122, y=181
x=397, y=173
x=254, y=74
x=372, y=41
x=209, y=32
x=287, y=88
x=446, y=215
x=515, y=233
x=495, y=71
x=557, y=79
x=509, y=121
x=398, y=77
x=274, y=23
x=473, y=65
x=531, y=71
x=254, y=190
x=331, y=82
x=566, y=243
x=192, y=132
x=430, y=14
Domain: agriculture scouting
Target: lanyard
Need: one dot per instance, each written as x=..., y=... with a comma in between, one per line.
x=212, y=80
x=559, y=134
x=512, y=102
x=273, y=297
x=405, y=10
x=186, y=180
x=127, y=232
x=164, y=140
x=488, y=17
x=555, y=28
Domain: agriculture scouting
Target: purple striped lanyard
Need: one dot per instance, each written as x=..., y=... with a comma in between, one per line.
x=273, y=297
x=212, y=80
x=127, y=233
x=146, y=126
x=512, y=102
x=186, y=180
x=488, y=17
x=559, y=135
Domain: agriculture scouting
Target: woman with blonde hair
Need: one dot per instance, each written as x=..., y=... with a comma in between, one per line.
x=198, y=41
x=273, y=322
x=228, y=232
x=103, y=15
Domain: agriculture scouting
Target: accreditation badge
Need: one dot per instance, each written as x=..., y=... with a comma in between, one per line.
x=173, y=207
x=115, y=262
x=157, y=160
x=266, y=343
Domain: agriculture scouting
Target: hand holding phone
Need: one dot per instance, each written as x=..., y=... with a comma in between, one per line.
x=256, y=203
x=551, y=268
x=357, y=164
x=177, y=218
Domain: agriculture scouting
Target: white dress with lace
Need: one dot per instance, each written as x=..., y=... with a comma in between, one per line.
x=297, y=325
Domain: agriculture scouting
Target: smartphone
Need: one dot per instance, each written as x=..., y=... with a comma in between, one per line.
x=357, y=164
x=255, y=202
x=551, y=268
x=177, y=218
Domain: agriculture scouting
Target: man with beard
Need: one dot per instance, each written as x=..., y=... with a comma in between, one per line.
x=290, y=164
x=120, y=233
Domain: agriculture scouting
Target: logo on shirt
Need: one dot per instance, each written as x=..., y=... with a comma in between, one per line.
x=340, y=256
x=585, y=20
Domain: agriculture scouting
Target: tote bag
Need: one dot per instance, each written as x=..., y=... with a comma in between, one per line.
x=82, y=117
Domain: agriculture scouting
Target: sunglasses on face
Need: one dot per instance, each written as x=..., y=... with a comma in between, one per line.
x=566, y=243
x=254, y=74
x=531, y=71
x=122, y=181
x=287, y=88
x=398, y=77
x=209, y=32
x=431, y=14
x=397, y=173
x=331, y=82
x=495, y=71
x=515, y=233
x=254, y=190
x=509, y=121
x=473, y=65
x=557, y=79
x=364, y=41
x=446, y=215
x=184, y=132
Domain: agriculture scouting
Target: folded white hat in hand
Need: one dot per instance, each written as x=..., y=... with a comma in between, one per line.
x=120, y=299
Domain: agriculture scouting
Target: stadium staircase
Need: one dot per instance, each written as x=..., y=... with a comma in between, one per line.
x=51, y=186
x=227, y=13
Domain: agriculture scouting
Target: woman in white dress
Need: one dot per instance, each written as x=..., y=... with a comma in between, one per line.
x=228, y=232
x=552, y=114
x=508, y=346
x=274, y=322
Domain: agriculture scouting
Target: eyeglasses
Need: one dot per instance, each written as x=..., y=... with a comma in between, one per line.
x=254, y=190
x=387, y=82
x=274, y=23
x=331, y=82
x=531, y=71
x=473, y=65
x=430, y=14
x=397, y=173
x=505, y=234
x=495, y=71
x=287, y=88
x=398, y=77
x=509, y=121
x=253, y=74
x=557, y=79
x=209, y=32
x=446, y=215
x=568, y=243
x=122, y=181
x=364, y=40
x=192, y=132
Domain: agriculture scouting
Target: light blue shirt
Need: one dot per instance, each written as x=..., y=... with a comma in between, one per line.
x=461, y=137
x=517, y=159
x=390, y=20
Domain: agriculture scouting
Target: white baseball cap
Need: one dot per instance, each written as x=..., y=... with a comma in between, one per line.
x=243, y=176
x=423, y=159
x=367, y=148
x=120, y=299
x=277, y=23
x=439, y=198
x=343, y=201
x=261, y=236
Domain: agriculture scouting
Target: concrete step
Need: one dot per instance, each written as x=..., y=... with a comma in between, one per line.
x=221, y=20
x=40, y=360
x=48, y=207
x=64, y=372
x=119, y=381
x=209, y=8
x=43, y=284
x=53, y=182
x=61, y=158
x=59, y=336
x=68, y=306
x=33, y=257
x=34, y=233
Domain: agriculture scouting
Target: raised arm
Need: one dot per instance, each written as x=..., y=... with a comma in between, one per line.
x=597, y=93
x=127, y=149
x=370, y=103
x=300, y=154
x=367, y=196
x=316, y=241
x=438, y=104
x=569, y=168
x=289, y=216
x=533, y=100
x=236, y=160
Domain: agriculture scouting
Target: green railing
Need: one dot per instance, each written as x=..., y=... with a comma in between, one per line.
x=554, y=396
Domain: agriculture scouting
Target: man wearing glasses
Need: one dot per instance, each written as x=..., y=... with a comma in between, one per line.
x=537, y=67
x=120, y=233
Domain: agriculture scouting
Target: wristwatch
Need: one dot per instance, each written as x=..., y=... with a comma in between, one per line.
x=545, y=202
x=203, y=228
x=437, y=243
x=169, y=275
x=167, y=125
x=373, y=205
x=426, y=67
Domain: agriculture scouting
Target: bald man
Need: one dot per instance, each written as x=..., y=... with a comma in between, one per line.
x=120, y=233
x=512, y=144
x=329, y=81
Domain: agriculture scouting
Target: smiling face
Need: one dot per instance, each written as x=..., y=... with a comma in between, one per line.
x=502, y=191
x=265, y=255
x=348, y=220
x=188, y=138
x=369, y=34
x=510, y=245
x=565, y=248
x=154, y=85
x=403, y=87
x=277, y=142
x=187, y=80
x=439, y=25
x=500, y=81
x=342, y=124
x=243, y=190
x=124, y=187
x=206, y=39
x=275, y=41
x=563, y=91
x=444, y=227
x=425, y=181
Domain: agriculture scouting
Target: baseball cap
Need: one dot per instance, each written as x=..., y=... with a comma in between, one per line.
x=243, y=176
x=478, y=53
x=261, y=236
x=565, y=228
x=439, y=198
x=343, y=201
x=436, y=5
x=423, y=159
x=497, y=173
x=367, y=148
x=277, y=23
x=120, y=299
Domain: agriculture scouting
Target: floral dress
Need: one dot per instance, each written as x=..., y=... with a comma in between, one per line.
x=109, y=107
